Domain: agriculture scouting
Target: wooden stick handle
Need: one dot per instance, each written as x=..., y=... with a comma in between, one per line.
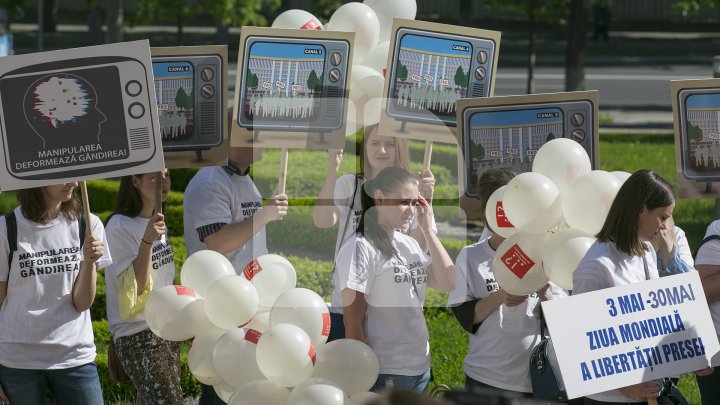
x=652, y=401
x=158, y=192
x=283, y=170
x=428, y=155
x=86, y=207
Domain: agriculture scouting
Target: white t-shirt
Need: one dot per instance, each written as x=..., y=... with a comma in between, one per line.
x=500, y=349
x=683, y=247
x=41, y=329
x=213, y=196
x=124, y=236
x=709, y=254
x=605, y=266
x=395, y=292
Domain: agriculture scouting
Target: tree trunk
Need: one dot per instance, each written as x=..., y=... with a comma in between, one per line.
x=115, y=21
x=179, y=20
x=49, y=16
x=577, y=38
x=532, y=36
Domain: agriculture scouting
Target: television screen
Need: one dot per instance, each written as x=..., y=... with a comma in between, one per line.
x=700, y=133
x=174, y=93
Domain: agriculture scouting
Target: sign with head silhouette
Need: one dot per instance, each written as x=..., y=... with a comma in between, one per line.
x=78, y=114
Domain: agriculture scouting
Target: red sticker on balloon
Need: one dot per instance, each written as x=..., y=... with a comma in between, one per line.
x=326, y=324
x=311, y=353
x=500, y=217
x=252, y=336
x=182, y=290
x=311, y=25
x=517, y=261
x=252, y=269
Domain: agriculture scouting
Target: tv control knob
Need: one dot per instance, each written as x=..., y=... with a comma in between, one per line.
x=136, y=110
x=335, y=58
x=480, y=73
x=577, y=119
x=133, y=88
x=334, y=75
x=578, y=135
x=207, y=90
x=207, y=74
x=482, y=57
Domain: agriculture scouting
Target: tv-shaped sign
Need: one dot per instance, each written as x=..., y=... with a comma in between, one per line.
x=78, y=114
x=191, y=95
x=291, y=89
x=430, y=67
x=507, y=131
x=696, y=115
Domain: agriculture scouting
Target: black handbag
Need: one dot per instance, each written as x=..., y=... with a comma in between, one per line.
x=671, y=395
x=546, y=384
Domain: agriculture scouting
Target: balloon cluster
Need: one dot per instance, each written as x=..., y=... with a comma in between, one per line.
x=549, y=216
x=371, y=21
x=255, y=335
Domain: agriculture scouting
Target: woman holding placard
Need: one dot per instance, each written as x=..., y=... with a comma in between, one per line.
x=339, y=198
x=383, y=274
x=503, y=328
x=143, y=262
x=47, y=285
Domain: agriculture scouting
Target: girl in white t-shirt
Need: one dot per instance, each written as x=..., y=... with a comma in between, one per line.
x=503, y=328
x=623, y=255
x=339, y=198
x=383, y=273
x=143, y=261
x=47, y=285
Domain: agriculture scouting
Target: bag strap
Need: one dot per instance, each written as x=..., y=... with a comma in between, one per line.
x=706, y=240
x=647, y=272
x=11, y=223
x=349, y=215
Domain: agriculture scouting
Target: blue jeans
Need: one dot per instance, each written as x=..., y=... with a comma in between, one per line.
x=70, y=386
x=404, y=382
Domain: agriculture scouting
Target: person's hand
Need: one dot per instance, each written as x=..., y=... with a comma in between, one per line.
x=4, y=397
x=424, y=215
x=93, y=249
x=277, y=207
x=514, y=300
x=544, y=293
x=705, y=372
x=426, y=184
x=642, y=391
x=155, y=228
x=334, y=159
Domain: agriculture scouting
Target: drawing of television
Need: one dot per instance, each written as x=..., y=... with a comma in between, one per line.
x=293, y=84
x=429, y=71
x=509, y=135
x=699, y=129
x=68, y=117
x=189, y=93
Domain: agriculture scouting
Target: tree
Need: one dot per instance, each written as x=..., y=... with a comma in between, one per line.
x=694, y=133
x=461, y=79
x=252, y=81
x=183, y=100
x=313, y=82
x=577, y=38
x=477, y=150
x=550, y=137
x=402, y=72
x=323, y=9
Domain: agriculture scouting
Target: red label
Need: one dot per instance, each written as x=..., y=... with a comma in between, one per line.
x=311, y=25
x=517, y=261
x=500, y=217
x=252, y=336
x=252, y=269
x=311, y=353
x=182, y=290
x=326, y=324
x=384, y=72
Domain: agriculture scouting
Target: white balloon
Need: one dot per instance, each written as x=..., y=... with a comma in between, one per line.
x=366, y=86
x=202, y=268
x=165, y=312
x=231, y=301
x=224, y=391
x=260, y=322
x=587, y=202
x=285, y=355
x=360, y=19
x=388, y=10
x=563, y=252
x=200, y=357
x=363, y=398
x=317, y=391
x=621, y=175
x=259, y=392
x=532, y=202
x=562, y=160
x=495, y=215
x=349, y=363
x=234, y=357
x=305, y=309
x=377, y=58
x=297, y=19
x=517, y=264
x=271, y=275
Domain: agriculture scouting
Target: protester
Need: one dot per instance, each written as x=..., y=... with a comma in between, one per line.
x=143, y=261
x=383, y=275
x=339, y=198
x=673, y=250
x=46, y=338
